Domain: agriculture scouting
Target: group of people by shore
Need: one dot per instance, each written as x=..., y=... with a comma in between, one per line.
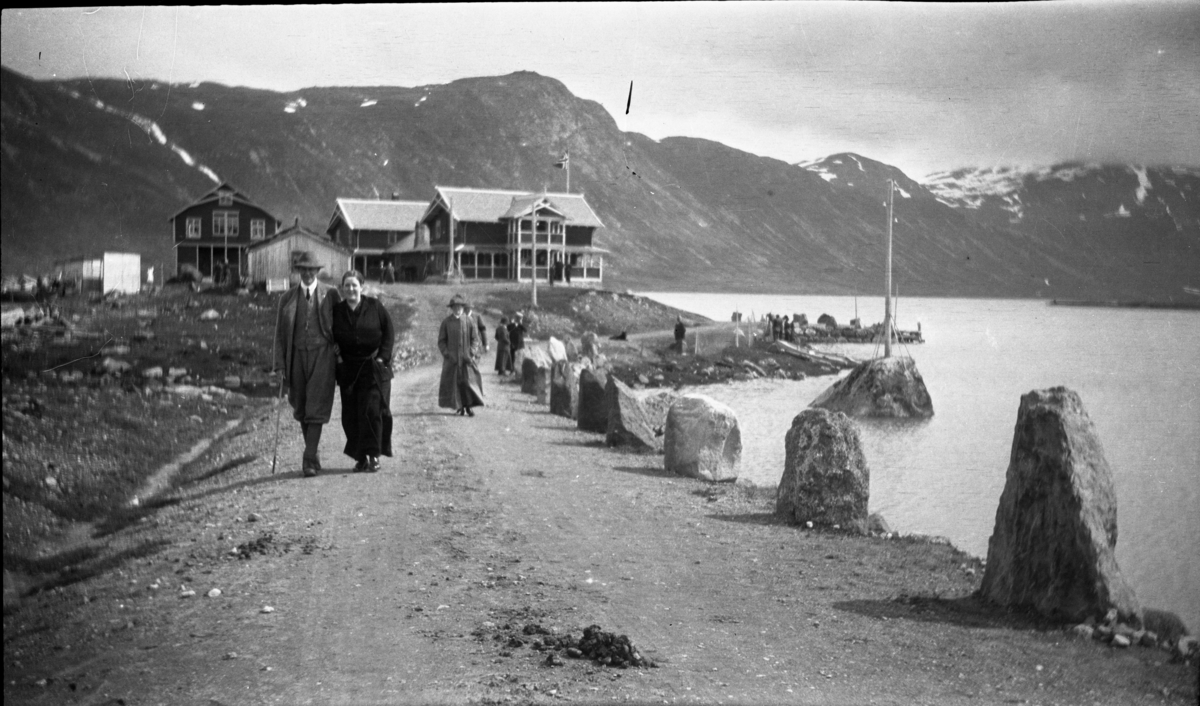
x=327, y=337
x=778, y=327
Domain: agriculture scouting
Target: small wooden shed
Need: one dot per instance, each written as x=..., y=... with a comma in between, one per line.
x=271, y=260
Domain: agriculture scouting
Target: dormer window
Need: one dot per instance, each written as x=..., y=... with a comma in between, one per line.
x=224, y=198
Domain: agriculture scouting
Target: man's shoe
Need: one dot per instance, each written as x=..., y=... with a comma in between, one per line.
x=310, y=467
x=470, y=413
x=372, y=464
x=360, y=466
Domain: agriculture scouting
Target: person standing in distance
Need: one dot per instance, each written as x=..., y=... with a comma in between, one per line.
x=461, y=386
x=516, y=339
x=306, y=356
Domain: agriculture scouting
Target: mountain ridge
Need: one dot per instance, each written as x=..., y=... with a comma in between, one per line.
x=103, y=163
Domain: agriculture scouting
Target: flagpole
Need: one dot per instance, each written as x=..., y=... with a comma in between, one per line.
x=568, y=172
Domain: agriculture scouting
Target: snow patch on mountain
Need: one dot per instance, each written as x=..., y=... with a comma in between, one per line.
x=368, y=103
x=968, y=188
x=187, y=158
x=197, y=106
x=1143, y=183
x=292, y=105
x=151, y=128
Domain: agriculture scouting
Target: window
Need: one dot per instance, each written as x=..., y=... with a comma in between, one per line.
x=224, y=198
x=225, y=224
x=258, y=228
x=193, y=227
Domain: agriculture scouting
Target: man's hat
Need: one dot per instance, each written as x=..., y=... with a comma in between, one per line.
x=458, y=300
x=307, y=260
x=518, y=315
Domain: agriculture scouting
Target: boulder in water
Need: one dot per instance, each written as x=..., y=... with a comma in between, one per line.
x=826, y=479
x=702, y=439
x=884, y=387
x=636, y=419
x=1054, y=541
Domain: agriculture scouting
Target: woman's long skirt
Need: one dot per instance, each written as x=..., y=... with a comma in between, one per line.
x=504, y=362
x=366, y=418
x=461, y=385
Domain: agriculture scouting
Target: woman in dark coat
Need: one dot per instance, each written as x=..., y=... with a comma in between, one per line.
x=461, y=386
x=362, y=330
x=503, y=354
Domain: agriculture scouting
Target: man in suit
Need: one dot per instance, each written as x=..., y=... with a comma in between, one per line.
x=305, y=354
x=516, y=339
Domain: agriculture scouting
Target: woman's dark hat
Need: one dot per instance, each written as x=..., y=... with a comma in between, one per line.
x=458, y=300
x=306, y=260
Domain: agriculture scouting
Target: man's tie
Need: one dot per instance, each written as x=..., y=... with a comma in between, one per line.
x=308, y=295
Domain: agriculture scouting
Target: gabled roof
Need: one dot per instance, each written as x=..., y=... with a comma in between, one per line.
x=300, y=230
x=214, y=195
x=379, y=214
x=525, y=205
x=492, y=205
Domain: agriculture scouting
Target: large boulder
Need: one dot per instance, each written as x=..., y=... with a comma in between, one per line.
x=636, y=418
x=1052, y=548
x=564, y=388
x=592, y=414
x=535, y=359
x=884, y=387
x=702, y=439
x=589, y=344
x=826, y=480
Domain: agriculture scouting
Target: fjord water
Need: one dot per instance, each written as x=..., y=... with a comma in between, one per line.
x=1137, y=372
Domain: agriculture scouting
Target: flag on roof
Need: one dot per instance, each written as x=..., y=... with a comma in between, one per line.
x=564, y=161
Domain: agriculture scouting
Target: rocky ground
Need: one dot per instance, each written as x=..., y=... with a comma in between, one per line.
x=476, y=564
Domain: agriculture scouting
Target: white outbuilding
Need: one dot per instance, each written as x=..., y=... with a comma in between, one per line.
x=108, y=272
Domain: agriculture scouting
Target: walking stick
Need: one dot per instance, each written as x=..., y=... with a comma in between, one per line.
x=275, y=453
x=278, y=409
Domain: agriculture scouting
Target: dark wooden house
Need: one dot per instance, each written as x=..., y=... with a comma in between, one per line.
x=494, y=234
x=219, y=227
x=374, y=229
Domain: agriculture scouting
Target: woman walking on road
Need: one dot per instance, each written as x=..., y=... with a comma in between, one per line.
x=461, y=386
x=362, y=330
x=503, y=354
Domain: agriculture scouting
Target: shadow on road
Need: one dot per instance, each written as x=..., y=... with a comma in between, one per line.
x=644, y=471
x=751, y=518
x=967, y=611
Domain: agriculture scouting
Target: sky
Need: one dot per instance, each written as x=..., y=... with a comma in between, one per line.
x=923, y=86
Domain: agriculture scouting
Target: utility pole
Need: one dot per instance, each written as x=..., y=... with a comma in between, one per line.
x=887, y=300
x=533, y=259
